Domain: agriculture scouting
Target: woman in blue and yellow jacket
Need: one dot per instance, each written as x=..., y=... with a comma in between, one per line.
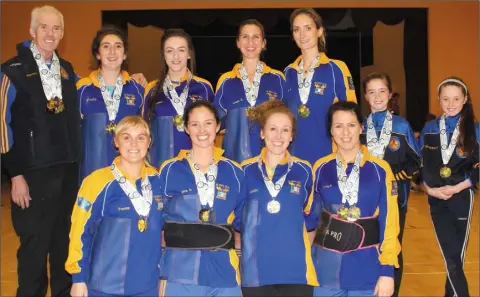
x=390, y=137
x=202, y=191
x=115, y=237
x=355, y=249
x=167, y=97
x=276, y=251
x=106, y=96
x=313, y=83
x=247, y=85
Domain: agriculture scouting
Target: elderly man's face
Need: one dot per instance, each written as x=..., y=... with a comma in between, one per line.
x=48, y=33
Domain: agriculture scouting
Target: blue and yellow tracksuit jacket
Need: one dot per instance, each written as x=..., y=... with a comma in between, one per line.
x=98, y=147
x=167, y=141
x=331, y=82
x=107, y=251
x=212, y=268
x=242, y=136
x=463, y=166
x=402, y=152
x=275, y=247
x=359, y=269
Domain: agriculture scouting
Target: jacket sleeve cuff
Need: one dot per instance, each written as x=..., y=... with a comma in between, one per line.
x=78, y=278
x=387, y=270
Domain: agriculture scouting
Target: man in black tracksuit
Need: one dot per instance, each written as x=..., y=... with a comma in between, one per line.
x=41, y=141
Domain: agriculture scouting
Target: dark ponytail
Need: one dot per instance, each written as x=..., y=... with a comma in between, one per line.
x=467, y=138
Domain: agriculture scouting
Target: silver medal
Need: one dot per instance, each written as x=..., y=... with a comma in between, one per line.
x=273, y=206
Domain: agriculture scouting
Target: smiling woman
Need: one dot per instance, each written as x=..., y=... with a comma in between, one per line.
x=115, y=205
x=106, y=96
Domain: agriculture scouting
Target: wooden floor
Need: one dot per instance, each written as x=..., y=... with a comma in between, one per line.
x=424, y=272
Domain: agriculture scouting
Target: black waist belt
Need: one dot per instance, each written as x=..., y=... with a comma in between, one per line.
x=345, y=236
x=199, y=236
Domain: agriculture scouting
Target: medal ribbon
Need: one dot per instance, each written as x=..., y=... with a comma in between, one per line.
x=349, y=186
x=304, y=85
x=112, y=101
x=376, y=146
x=447, y=151
x=272, y=188
x=178, y=102
x=251, y=91
x=205, y=184
x=51, y=81
x=141, y=203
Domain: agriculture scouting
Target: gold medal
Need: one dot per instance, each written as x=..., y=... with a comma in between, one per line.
x=445, y=172
x=178, y=122
x=342, y=212
x=55, y=105
x=142, y=225
x=303, y=111
x=353, y=213
x=204, y=215
x=110, y=129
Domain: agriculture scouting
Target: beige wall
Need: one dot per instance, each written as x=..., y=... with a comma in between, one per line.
x=453, y=30
x=388, y=57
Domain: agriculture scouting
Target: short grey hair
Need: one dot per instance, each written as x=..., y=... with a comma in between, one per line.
x=44, y=9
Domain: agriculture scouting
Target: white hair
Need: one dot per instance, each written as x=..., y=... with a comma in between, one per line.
x=44, y=9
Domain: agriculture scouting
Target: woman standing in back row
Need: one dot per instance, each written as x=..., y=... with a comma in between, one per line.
x=314, y=82
x=247, y=85
x=167, y=97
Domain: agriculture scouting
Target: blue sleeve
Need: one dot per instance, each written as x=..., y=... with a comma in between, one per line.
x=217, y=103
x=413, y=153
x=86, y=214
x=217, y=100
x=310, y=224
x=315, y=208
x=7, y=97
x=388, y=223
x=344, y=87
x=240, y=205
x=210, y=94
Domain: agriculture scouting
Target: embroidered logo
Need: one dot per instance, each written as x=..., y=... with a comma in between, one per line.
x=195, y=97
x=130, y=99
x=32, y=74
x=91, y=99
x=294, y=186
x=432, y=148
x=319, y=87
x=123, y=208
x=222, y=191
x=394, y=143
x=272, y=95
x=253, y=191
x=460, y=152
x=84, y=204
x=159, y=201
x=63, y=73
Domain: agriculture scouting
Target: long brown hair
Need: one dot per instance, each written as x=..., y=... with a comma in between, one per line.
x=191, y=63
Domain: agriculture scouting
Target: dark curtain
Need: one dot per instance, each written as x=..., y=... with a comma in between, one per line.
x=214, y=30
